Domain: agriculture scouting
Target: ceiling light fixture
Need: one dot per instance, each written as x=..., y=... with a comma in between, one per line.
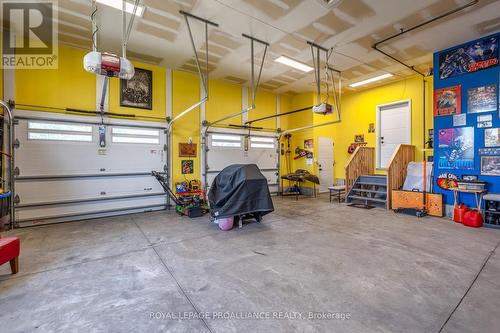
x=294, y=63
x=373, y=79
x=117, y=4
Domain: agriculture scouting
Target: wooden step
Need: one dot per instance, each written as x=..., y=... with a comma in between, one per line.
x=368, y=191
x=359, y=197
x=371, y=184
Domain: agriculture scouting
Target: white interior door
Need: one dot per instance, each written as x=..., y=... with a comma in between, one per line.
x=325, y=163
x=394, y=128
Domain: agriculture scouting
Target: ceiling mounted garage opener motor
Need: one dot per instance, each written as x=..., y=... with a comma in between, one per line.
x=323, y=107
x=109, y=64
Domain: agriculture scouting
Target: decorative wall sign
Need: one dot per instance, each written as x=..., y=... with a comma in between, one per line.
x=430, y=138
x=447, y=180
x=482, y=99
x=447, y=101
x=308, y=143
x=187, y=149
x=469, y=177
x=371, y=128
x=138, y=91
x=492, y=137
x=459, y=120
x=359, y=138
x=490, y=165
x=471, y=57
x=187, y=167
x=456, y=148
x=299, y=153
x=489, y=151
x=484, y=120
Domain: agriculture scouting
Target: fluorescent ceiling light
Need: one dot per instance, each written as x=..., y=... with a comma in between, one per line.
x=373, y=79
x=129, y=7
x=293, y=63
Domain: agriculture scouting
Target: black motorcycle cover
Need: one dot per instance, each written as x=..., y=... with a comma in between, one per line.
x=239, y=189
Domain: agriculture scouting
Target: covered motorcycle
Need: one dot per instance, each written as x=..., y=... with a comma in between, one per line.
x=240, y=191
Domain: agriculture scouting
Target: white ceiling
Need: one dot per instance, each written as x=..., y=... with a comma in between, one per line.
x=161, y=36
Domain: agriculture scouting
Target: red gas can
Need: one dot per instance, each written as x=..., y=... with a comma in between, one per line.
x=459, y=212
x=473, y=218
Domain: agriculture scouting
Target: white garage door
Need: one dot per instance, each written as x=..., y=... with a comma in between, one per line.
x=63, y=173
x=233, y=147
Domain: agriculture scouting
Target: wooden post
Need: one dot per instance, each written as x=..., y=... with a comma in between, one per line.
x=14, y=265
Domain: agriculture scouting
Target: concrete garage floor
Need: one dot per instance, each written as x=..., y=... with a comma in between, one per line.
x=385, y=272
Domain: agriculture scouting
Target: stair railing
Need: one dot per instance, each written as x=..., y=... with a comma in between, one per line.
x=397, y=169
x=361, y=162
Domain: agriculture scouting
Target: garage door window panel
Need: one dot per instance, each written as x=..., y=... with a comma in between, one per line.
x=135, y=136
x=48, y=131
x=261, y=142
x=225, y=140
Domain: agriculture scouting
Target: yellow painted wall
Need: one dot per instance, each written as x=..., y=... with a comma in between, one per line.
x=71, y=86
x=68, y=86
x=159, y=95
x=297, y=120
x=1, y=81
x=1, y=68
x=224, y=99
x=285, y=106
x=359, y=110
x=265, y=103
x=185, y=92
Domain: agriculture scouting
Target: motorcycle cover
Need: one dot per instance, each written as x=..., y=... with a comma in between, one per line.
x=239, y=189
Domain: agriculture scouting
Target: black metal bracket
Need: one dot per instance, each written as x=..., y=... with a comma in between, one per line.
x=255, y=39
x=198, y=18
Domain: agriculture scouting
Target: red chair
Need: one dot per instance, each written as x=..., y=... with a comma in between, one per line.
x=9, y=251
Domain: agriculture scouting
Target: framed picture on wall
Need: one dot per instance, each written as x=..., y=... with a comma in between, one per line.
x=456, y=148
x=482, y=99
x=138, y=91
x=187, y=167
x=484, y=120
x=447, y=101
x=308, y=143
x=359, y=138
x=490, y=165
x=492, y=137
x=468, y=58
x=187, y=149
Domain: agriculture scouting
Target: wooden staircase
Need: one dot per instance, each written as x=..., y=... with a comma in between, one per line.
x=366, y=188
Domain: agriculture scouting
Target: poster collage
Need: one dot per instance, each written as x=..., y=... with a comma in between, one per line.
x=456, y=146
